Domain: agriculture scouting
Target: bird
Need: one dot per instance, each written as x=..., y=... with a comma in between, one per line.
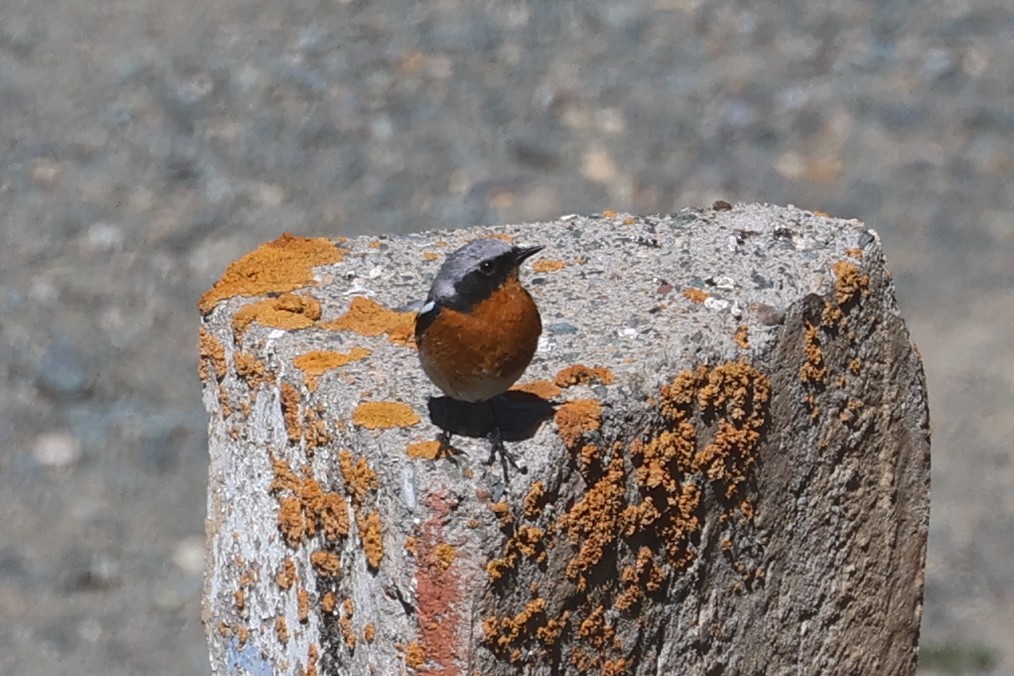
x=479, y=329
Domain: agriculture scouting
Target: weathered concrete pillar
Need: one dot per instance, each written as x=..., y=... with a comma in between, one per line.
x=725, y=428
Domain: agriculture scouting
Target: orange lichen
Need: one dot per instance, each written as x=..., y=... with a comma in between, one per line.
x=579, y=374
x=813, y=370
x=373, y=541
x=504, y=635
x=576, y=418
x=384, y=414
x=290, y=520
x=548, y=265
x=742, y=337
x=535, y=500
x=415, y=656
x=430, y=256
x=610, y=213
x=281, y=629
x=316, y=363
x=290, y=399
x=239, y=600
x=252, y=370
x=444, y=555
x=367, y=317
x=328, y=602
x=287, y=575
x=326, y=563
x=289, y=311
x=308, y=509
x=540, y=388
x=695, y=295
x=345, y=624
x=426, y=450
x=629, y=220
x=369, y=632
x=311, y=661
x=303, y=606
x=592, y=523
x=275, y=267
x=213, y=354
x=849, y=282
x=359, y=477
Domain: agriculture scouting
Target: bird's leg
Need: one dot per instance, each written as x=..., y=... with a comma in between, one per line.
x=497, y=448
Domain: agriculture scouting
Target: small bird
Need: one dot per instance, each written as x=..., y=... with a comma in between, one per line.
x=479, y=328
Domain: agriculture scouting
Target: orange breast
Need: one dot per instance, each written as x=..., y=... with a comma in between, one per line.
x=478, y=355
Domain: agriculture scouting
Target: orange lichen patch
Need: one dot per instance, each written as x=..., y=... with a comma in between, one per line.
x=502, y=511
x=579, y=374
x=849, y=282
x=367, y=317
x=637, y=579
x=415, y=656
x=369, y=632
x=287, y=575
x=738, y=393
x=311, y=661
x=430, y=256
x=813, y=370
x=239, y=600
x=505, y=635
x=540, y=388
x=629, y=220
x=854, y=253
x=576, y=418
x=831, y=315
x=326, y=563
x=359, y=477
x=444, y=555
x=426, y=450
x=289, y=311
x=275, y=267
x=593, y=522
x=616, y=667
x=742, y=336
x=328, y=602
x=314, y=430
x=548, y=265
x=303, y=606
x=373, y=541
x=213, y=355
x=290, y=520
x=345, y=624
x=610, y=213
x=502, y=236
x=316, y=363
x=695, y=295
x=252, y=370
x=855, y=366
x=281, y=629
x=850, y=410
x=384, y=414
x=290, y=412
x=535, y=500
x=308, y=509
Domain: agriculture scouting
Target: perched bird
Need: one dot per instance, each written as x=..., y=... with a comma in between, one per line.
x=479, y=328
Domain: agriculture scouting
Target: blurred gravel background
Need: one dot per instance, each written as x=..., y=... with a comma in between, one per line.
x=144, y=145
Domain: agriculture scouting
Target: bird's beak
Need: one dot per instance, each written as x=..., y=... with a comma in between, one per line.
x=522, y=253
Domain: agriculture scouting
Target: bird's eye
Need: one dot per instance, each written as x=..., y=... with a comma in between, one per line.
x=487, y=268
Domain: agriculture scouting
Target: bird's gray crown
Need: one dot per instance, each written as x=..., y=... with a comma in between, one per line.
x=475, y=270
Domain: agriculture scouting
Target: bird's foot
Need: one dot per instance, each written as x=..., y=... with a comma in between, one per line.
x=497, y=449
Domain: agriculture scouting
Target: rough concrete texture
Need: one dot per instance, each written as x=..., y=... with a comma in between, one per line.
x=726, y=435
